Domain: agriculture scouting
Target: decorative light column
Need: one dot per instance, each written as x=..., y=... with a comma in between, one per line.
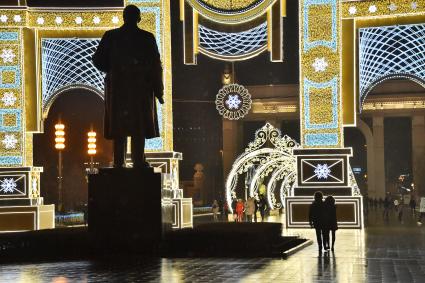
x=91, y=148
x=60, y=146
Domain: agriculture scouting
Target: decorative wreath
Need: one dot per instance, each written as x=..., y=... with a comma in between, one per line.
x=233, y=101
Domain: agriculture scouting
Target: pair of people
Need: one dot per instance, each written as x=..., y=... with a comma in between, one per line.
x=322, y=217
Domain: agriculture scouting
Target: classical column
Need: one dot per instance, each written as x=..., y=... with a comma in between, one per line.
x=418, y=153
x=379, y=152
x=231, y=139
x=371, y=187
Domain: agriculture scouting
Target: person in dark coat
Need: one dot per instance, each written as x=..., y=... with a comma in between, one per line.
x=129, y=56
x=330, y=223
x=316, y=217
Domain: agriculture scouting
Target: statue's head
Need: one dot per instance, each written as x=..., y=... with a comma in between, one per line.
x=131, y=15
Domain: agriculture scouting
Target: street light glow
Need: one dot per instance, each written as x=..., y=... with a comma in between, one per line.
x=60, y=136
x=91, y=143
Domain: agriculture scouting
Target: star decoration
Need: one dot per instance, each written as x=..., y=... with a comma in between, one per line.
x=352, y=10
x=373, y=9
x=414, y=5
x=17, y=18
x=233, y=101
x=7, y=55
x=320, y=64
x=115, y=19
x=78, y=20
x=8, y=99
x=3, y=18
x=59, y=20
x=40, y=21
x=96, y=20
x=322, y=171
x=8, y=185
x=9, y=141
x=392, y=7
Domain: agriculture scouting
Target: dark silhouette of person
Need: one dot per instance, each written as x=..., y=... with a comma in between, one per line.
x=129, y=56
x=316, y=217
x=330, y=223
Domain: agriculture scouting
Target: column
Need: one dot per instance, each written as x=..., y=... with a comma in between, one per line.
x=379, y=153
x=231, y=139
x=418, y=153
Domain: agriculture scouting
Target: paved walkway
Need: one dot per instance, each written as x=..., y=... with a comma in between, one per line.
x=382, y=252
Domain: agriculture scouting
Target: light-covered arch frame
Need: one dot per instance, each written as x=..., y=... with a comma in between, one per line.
x=25, y=95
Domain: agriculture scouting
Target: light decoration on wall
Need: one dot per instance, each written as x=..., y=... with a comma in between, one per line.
x=60, y=136
x=269, y=155
x=233, y=101
x=389, y=52
x=68, y=63
x=91, y=146
x=233, y=45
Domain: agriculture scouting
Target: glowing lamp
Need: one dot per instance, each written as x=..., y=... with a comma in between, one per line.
x=91, y=143
x=60, y=136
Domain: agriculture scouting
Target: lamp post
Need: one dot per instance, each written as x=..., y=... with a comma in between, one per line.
x=91, y=148
x=60, y=145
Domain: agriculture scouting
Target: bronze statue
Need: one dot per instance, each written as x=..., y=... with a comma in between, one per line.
x=130, y=58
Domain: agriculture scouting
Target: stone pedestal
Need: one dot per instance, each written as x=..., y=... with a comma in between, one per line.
x=125, y=211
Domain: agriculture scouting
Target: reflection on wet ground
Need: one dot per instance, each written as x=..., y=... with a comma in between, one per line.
x=383, y=252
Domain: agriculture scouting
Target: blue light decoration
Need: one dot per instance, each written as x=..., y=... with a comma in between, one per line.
x=323, y=139
x=390, y=52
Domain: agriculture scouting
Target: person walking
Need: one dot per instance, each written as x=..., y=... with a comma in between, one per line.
x=316, y=217
x=215, y=210
x=387, y=204
x=330, y=223
x=249, y=209
x=262, y=206
x=240, y=210
x=255, y=209
x=412, y=205
x=235, y=214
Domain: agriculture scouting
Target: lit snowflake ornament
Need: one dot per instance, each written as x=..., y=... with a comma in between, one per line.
x=59, y=20
x=40, y=20
x=8, y=185
x=115, y=20
x=9, y=141
x=3, y=18
x=96, y=20
x=392, y=7
x=17, y=18
x=8, y=98
x=7, y=55
x=352, y=10
x=233, y=101
x=414, y=5
x=373, y=9
x=320, y=64
x=322, y=171
x=78, y=20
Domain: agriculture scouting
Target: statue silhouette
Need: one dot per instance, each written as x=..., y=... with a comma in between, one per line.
x=129, y=56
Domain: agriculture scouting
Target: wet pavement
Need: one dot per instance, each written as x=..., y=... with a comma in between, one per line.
x=383, y=252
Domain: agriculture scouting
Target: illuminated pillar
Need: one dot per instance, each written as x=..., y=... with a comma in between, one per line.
x=366, y=131
x=418, y=152
x=379, y=156
x=231, y=134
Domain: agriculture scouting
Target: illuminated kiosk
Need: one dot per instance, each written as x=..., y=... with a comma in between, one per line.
x=43, y=53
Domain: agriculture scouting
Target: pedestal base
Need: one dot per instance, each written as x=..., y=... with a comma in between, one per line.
x=125, y=209
x=27, y=218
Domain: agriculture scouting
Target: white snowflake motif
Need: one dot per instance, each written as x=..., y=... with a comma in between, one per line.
x=7, y=55
x=414, y=5
x=78, y=20
x=8, y=98
x=40, y=20
x=59, y=20
x=115, y=20
x=8, y=185
x=320, y=64
x=233, y=101
x=322, y=171
x=17, y=18
x=392, y=7
x=9, y=141
x=3, y=18
x=373, y=9
x=96, y=20
x=352, y=10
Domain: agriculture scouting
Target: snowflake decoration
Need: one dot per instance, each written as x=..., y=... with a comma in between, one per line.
x=322, y=171
x=320, y=64
x=78, y=20
x=9, y=141
x=414, y=5
x=115, y=19
x=8, y=185
x=17, y=18
x=233, y=101
x=7, y=55
x=392, y=7
x=352, y=10
x=40, y=20
x=96, y=20
x=8, y=99
x=3, y=18
x=59, y=20
x=373, y=9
